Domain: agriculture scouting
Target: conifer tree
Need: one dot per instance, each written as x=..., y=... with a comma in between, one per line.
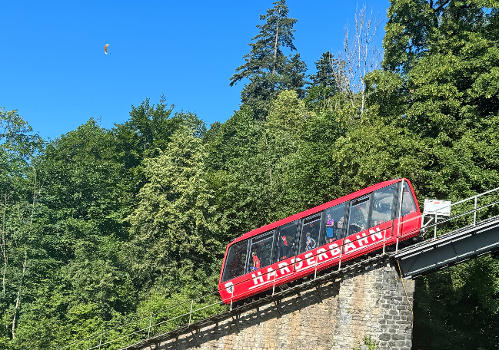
x=324, y=76
x=324, y=83
x=293, y=77
x=266, y=66
x=171, y=226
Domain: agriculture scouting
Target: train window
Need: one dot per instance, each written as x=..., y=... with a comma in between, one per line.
x=408, y=205
x=235, y=261
x=261, y=251
x=359, y=215
x=310, y=231
x=334, y=222
x=383, y=204
x=287, y=240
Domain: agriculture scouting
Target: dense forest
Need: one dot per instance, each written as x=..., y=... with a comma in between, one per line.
x=101, y=226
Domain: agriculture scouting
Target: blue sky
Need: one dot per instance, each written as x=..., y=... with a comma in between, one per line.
x=54, y=72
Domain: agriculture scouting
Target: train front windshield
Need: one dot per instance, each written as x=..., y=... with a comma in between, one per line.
x=236, y=260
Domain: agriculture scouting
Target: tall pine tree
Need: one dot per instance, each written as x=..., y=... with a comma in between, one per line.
x=324, y=83
x=266, y=66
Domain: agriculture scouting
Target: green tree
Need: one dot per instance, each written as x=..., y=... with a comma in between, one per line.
x=173, y=230
x=323, y=83
x=148, y=130
x=75, y=258
x=408, y=30
x=446, y=94
x=266, y=66
x=458, y=307
x=438, y=89
x=293, y=77
x=234, y=163
x=18, y=192
x=447, y=64
x=149, y=127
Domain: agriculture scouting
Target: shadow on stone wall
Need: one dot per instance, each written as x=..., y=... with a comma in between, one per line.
x=251, y=318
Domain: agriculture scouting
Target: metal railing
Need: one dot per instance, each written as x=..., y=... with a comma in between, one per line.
x=464, y=213
x=208, y=305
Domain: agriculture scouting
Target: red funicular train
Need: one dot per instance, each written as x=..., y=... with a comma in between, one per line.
x=315, y=239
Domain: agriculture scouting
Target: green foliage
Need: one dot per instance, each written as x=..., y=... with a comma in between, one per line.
x=172, y=223
x=234, y=173
x=17, y=139
x=441, y=57
x=323, y=83
x=266, y=67
x=110, y=230
x=18, y=192
x=371, y=151
x=166, y=311
x=409, y=28
x=367, y=343
x=284, y=131
x=462, y=298
x=148, y=128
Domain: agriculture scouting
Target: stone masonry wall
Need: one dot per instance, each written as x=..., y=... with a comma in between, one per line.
x=371, y=306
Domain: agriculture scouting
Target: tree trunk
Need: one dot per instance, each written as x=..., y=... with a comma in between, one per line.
x=25, y=263
x=275, y=48
x=361, y=56
x=18, y=298
x=3, y=245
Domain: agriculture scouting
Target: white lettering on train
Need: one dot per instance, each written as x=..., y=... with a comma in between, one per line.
x=298, y=262
x=362, y=240
x=375, y=235
x=315, y=257
x=321, y=254
x=348, y=245
x=309, y=258
x=334, y=250
x=283, y=267
x=257, y=277
x=271, y=273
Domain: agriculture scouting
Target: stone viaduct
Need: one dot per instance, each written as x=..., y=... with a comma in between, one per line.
x=368, y=307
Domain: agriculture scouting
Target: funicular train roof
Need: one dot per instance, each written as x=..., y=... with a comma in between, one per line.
x=316, y=209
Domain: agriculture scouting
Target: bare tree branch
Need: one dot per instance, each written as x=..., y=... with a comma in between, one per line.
x=360, y=55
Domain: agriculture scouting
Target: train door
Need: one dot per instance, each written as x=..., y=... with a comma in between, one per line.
x=287, y=241
x=310, y=233
x=384, y=207
x=260, y=252
x=407, y=211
